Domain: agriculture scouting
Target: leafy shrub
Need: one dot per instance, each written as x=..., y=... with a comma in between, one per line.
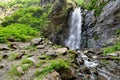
x=32, y=16
x=26, y=3
x=19, y=32
x=111, y=49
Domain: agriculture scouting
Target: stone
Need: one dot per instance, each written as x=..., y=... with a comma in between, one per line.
x=103, y=32
x=33, y=58
x=20, y=55
x=40, y=46
x=52, y=76
x=11, y=39
x=20, y=70
x=14, y=46
x=61, y=50
x=85, y=70
x=4, y=48
x=52, y=54
x=2, y=66
x=36, y=41
x=67, y=74
x=94, y=57
x=5, y=56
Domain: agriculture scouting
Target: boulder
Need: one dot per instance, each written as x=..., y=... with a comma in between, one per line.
x=20, y=70
x=52, y=54
x=36, y=41
x=61, y=50
x=67, y=74
x=52, y=76
x=40, y=46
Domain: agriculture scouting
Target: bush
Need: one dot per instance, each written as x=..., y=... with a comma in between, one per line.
x=19, y=32
x=26, y=3
x=32, y=16
x=111, y=49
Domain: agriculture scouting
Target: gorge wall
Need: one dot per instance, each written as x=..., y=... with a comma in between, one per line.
x=102, y=31
x=57, y=27
x=97, y=31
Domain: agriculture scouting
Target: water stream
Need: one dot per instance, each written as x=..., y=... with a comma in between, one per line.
x=75, y=24
x=74, y=41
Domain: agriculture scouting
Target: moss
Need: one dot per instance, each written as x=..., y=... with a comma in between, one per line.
x=13, y=56
x=111, y=49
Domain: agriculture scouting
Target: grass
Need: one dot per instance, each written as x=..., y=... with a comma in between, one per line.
x=117, y=32
x=27, y=61
x=13, y=56
x=14, y=72
x=19, y=32
x=54, y=65
x=112, y=49
x=1, y=57
x=25, y=64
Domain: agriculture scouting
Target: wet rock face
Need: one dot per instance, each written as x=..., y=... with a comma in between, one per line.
x=58, y=19
x=103, y=32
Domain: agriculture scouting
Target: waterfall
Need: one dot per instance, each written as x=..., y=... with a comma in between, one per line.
x=75, y=24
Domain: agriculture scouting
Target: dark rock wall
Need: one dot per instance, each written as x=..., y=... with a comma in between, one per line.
x=57, y=28
x=102, y=31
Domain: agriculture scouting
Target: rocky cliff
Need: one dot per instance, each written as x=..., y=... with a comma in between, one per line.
x=57, y=27
x=103, y=30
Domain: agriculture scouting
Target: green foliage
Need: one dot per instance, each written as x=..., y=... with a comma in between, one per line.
x=25, y=67
x=111, y=49
x=95, y=5
x=27, y=61
x=19, y=32
x=25, y=64
x=1, y=57
x=14, y=72
x=54, y=65
x=32, y=16
x=13, y=56
x=26, y=3
x=117, y=32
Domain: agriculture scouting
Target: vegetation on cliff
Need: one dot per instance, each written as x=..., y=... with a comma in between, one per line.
x=95, y=5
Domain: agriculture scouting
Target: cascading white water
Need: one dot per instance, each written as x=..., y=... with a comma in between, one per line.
x=75, y=24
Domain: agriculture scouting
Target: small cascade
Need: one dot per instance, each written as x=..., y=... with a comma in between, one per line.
x=89, y=67
x=75, y=24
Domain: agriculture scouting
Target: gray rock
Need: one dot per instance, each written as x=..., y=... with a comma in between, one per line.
x=61, y=50
x=67, y=74
x=40, y=46
x=36, y=41
x=52, y=54
x=52, y=76
x=20, y=70
x=2, y=66
x=103, y=32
